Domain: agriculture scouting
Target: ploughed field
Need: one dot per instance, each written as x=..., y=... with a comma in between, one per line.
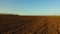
x=15, y=24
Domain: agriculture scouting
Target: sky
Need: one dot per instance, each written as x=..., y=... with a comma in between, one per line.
x=30, y=7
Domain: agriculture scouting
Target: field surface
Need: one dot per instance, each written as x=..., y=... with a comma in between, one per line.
x=15, y=24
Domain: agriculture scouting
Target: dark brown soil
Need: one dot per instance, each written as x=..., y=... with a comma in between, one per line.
x=15, y=24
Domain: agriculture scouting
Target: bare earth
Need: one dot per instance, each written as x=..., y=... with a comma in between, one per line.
x=15, y=24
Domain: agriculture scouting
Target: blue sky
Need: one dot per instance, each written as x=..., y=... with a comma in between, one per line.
x=30, y=7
